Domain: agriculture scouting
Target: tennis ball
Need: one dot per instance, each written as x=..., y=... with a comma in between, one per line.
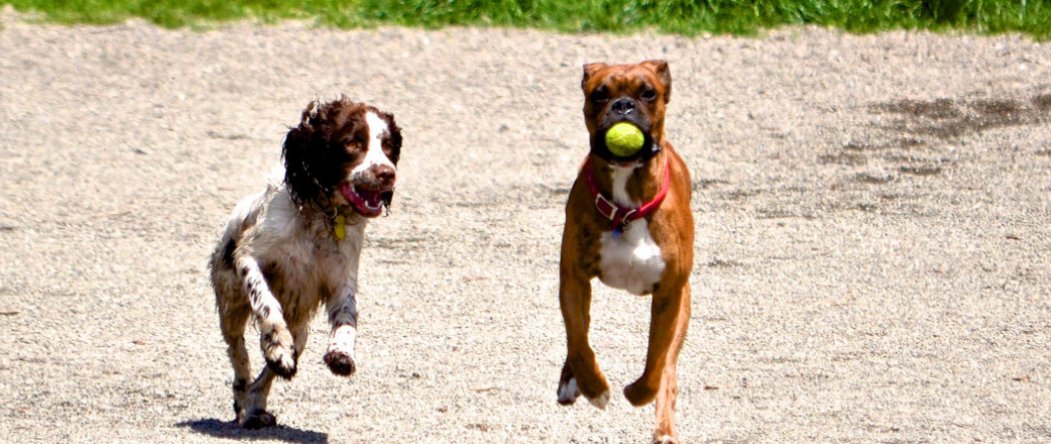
x=624, y=139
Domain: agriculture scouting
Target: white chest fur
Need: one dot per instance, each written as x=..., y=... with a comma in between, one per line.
x=631, y=261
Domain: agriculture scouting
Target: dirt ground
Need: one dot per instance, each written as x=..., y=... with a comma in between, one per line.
x=873, y=217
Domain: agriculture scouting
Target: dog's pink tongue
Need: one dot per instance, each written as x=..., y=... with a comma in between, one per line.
x=365, y=202
x=348, y=192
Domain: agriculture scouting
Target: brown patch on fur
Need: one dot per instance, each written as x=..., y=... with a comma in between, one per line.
x=228, y=253
x=340, y=363
x=330, y=141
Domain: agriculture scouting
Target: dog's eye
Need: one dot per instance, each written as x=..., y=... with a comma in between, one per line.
x=354, y=140
x=600, y=95
x=649, y=94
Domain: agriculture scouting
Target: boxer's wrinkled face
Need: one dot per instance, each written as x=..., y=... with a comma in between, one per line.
x=636, y=93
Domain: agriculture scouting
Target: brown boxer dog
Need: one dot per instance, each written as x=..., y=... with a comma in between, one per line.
x=628, y=222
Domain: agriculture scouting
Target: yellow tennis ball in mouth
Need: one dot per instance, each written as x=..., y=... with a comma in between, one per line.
x=624, y=139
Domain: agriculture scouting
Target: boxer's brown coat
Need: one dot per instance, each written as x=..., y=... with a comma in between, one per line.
x=671, y=228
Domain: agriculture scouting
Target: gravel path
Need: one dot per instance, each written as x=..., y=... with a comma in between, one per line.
x=873, y=255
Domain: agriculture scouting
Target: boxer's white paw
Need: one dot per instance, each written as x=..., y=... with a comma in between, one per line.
x=568, y=392
x=600, y=401
x=665, y=439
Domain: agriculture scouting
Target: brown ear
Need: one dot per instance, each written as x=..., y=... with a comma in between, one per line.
x=589, y=70
x=660, y=67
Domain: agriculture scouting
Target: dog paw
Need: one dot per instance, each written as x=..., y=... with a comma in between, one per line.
x=638, y=394
x=568, y=392
x=340, y=363
x=278, y=353
x=665, y=439
x=284, y=365
x=600, y=401
x=258, y=419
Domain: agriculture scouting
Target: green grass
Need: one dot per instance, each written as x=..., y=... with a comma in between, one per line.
x=1032, y=17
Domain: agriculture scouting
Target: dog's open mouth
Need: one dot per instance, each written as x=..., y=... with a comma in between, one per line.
x=367, y=203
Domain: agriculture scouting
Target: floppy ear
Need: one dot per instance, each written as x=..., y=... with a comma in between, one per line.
x=660, y=67
x=589, y=70
x=299, y=154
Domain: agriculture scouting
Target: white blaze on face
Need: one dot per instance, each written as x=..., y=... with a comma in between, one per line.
x=374, y=154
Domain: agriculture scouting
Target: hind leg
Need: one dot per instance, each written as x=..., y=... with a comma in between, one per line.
x=232, y=322
x=667, y=386
x=256, y=416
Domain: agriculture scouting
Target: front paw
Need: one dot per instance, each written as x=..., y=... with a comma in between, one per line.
x=340, y=363
x=278, y=353
x=596, y=390
x=639, y=394
x=665, y=439
x=568, y=392
x=600, y=401
x=258, y=419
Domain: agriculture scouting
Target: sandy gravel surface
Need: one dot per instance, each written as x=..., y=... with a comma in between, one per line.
x=873, y=218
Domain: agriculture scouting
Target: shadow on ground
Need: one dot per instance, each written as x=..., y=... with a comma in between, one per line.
x=230, y=430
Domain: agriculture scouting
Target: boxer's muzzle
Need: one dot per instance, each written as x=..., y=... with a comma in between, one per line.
x=623, y=109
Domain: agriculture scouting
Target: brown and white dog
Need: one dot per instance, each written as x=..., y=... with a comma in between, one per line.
x=628, y=222
x=295, y=246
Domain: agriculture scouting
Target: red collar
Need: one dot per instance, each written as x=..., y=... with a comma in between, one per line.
x=618, y=215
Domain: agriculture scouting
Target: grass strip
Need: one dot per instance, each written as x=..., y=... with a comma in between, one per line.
x=1031, y=17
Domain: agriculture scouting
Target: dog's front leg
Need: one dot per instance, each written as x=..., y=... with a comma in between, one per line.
x=275, y=337
x=343, y=316
x=580, y=373
x=669, y=318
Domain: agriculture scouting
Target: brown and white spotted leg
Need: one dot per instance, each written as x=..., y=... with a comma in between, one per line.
x=275, y=337
x=343, y=316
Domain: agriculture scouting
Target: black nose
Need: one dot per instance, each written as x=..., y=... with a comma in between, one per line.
x=623, y=106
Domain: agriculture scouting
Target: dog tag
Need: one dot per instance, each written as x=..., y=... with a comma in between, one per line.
x=617, y=231
x=340, y=230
